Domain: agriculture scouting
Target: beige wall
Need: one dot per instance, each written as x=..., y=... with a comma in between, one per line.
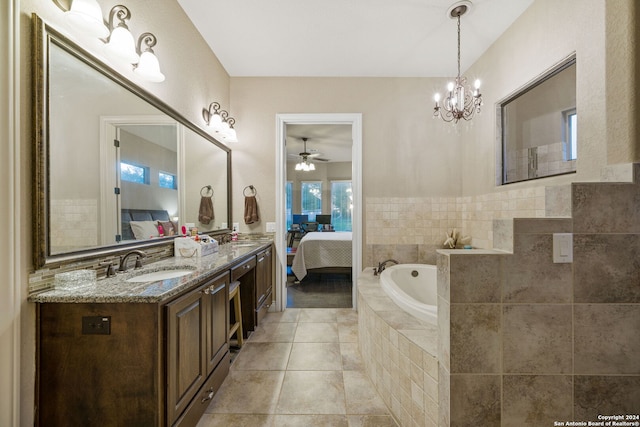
x=194, y=78
x=405, y=152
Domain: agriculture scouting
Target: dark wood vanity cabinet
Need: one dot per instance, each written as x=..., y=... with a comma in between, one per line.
x=256, y=283
x=133, y=364
x=197, y=342
x=264, y=282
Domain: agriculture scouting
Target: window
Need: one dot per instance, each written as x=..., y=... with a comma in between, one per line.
x=570, y=140
x=311, y=200
x=134, y=173
x=341, y=205
x=167, y=180
x=538, y=127
x=289, y=203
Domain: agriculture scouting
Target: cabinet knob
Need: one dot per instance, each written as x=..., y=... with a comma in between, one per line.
x=206, y=291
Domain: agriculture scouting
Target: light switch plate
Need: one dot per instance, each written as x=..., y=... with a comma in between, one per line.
x=271, y=227
x=562, y=248
x=236, y=225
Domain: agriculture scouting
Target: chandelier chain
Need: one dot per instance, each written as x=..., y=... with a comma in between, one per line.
x=458, y=46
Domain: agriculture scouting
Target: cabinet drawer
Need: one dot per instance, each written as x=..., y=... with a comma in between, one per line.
x=242, y=269
x=262, y=310
x=200, y=403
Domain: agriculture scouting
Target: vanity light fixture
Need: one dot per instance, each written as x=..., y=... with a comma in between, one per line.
x=121, y=45
x=461, y=102
x=230, y=134
x=86, y=17
x=148, y=67
x=212, y=115
x=219, y=120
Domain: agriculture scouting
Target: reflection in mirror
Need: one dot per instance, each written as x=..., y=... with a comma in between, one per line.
x=539, y=127
x=111, y=160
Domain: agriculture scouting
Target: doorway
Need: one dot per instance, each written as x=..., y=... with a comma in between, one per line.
x=282, y=243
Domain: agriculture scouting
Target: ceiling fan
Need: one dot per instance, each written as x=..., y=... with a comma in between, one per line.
x=305, y=164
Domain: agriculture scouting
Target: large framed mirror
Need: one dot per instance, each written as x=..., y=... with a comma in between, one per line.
x=539, y=126
x=112, y=162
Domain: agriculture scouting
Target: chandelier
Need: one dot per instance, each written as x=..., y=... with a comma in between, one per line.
x=461, y=102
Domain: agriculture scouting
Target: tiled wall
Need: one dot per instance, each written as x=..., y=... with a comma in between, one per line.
x=527, y=342
x=399, y=355
x=412, y=229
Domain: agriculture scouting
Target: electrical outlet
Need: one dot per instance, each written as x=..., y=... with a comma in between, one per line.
x=96, y=325
x=271, y=227
x=236, y=225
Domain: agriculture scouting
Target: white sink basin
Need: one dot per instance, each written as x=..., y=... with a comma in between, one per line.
x=154, y=276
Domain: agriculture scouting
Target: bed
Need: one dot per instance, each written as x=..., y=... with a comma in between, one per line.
x=144, y=217
x=323, y=252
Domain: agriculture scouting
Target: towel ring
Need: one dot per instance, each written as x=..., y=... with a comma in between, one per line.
x=253, y=190
x=207, y=189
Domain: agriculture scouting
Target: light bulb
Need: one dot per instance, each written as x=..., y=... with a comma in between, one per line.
x=86, y=16
x=149, y=67
x=450, y=86
x=437, y=97
x=121, y=46
x=477, y=84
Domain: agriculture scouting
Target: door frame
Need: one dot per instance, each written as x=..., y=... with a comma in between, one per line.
x=282, y=120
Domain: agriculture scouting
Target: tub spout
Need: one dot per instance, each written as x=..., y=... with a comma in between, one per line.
x=382, y=265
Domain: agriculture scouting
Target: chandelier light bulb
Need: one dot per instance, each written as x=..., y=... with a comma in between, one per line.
x=476, y=84
x=437, y=98
x=450, y=87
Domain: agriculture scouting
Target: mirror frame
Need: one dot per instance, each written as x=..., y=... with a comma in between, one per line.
x=501, y=162
x=42, y=35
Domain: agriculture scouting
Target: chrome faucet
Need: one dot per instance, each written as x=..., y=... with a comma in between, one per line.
x=123, y=260
x=382, y=265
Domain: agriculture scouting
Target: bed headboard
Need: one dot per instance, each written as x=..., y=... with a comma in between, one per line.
x=140, y=215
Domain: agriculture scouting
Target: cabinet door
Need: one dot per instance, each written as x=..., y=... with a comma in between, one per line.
x=261, y=267
x=217, y=320
x=186, y=349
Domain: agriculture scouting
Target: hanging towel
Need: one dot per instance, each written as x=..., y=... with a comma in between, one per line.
x=205, y=214
x=251, y=210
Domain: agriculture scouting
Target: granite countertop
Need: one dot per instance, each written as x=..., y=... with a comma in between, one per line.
x=117, y=290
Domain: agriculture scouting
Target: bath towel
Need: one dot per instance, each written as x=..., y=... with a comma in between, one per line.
x=205, y=214
x=251, y=210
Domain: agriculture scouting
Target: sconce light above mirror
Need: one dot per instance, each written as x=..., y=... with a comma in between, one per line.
x=85, y=16
x=219, y=120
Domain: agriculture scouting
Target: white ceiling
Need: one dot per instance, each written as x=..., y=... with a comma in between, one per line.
x=342, y=38
x=326, y=143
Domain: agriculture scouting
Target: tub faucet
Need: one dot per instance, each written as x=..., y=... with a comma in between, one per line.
x=382, y=265
x=123, y=260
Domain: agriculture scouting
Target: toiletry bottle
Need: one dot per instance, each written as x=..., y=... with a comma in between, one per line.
x=234, y=235
x=161, y=230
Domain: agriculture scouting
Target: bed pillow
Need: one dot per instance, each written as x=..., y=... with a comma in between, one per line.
x=143, y=230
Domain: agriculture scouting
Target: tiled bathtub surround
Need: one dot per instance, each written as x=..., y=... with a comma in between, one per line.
x=399, y=355
x=412, y=229
x=530, y=342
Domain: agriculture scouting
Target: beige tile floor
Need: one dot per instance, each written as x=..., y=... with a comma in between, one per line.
x=301, y=367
